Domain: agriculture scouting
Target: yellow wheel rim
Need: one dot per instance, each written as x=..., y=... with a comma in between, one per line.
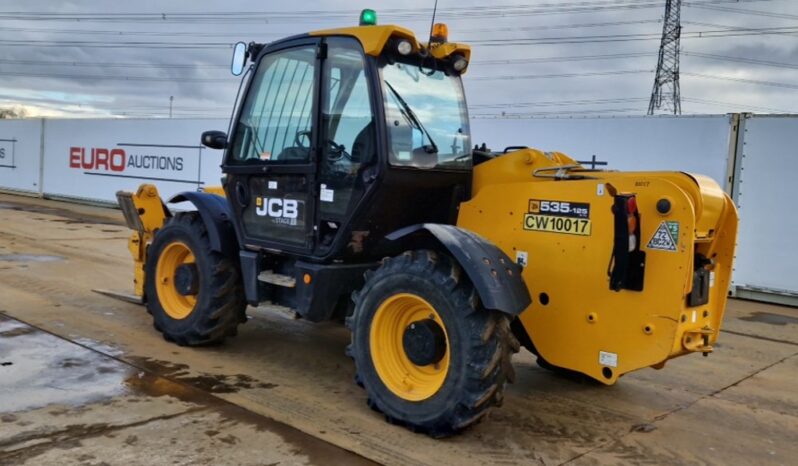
x=174, y=304
x=397, y=372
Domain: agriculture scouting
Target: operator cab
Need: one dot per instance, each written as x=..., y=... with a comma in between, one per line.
x=343, y=136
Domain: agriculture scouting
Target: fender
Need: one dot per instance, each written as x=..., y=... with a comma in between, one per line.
x=495, y=276
x=217, y=217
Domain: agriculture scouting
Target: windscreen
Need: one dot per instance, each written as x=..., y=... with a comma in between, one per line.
x=426, y=117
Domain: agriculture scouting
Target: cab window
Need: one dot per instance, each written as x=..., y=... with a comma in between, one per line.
x=348, y=132
x=275, y=123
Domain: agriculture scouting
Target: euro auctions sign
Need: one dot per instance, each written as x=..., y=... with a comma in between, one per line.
x=93, y=159
x=117, y=160
x=145, y=161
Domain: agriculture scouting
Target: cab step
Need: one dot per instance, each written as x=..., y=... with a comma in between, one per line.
x=277, y=309
x=268, y=276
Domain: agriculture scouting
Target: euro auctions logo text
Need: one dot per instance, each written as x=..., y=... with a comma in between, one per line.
x=117, y=160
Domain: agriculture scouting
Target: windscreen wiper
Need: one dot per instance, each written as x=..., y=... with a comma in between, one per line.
x=410, y=115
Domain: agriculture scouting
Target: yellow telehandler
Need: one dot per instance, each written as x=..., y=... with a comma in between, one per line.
x=351, y=191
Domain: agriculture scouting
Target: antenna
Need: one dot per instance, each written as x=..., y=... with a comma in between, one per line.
x=666, y=95
x=432, y=23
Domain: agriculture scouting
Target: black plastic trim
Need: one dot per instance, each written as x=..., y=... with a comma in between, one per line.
x=495, y=276
x=215, y=213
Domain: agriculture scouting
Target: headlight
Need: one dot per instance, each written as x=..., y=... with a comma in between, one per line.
x=459, y=63
x=404, y=47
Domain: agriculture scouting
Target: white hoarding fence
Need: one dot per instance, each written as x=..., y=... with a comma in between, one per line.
x=696, y=144
x=93, y=159
x=20, y=155
x=766, y=194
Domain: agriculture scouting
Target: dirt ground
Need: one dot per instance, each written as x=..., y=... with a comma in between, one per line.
x=85, y=379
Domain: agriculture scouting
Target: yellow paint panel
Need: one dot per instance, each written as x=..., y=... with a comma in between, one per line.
x=585, y=326
x=373, y=38
x=218, y=190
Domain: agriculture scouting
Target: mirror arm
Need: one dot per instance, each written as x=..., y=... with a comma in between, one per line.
x=253, y=49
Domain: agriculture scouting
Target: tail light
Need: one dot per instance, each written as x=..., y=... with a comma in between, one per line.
x=627, y=264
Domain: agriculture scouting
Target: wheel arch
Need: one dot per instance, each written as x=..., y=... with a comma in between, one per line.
x=216, y=215
x=496, y=278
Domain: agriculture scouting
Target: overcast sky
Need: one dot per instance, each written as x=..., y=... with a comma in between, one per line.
x=98, y=58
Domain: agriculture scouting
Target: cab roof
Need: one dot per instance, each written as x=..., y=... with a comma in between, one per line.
x=374, y=38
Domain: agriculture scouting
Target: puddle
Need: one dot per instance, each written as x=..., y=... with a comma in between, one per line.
x=38, y=369
x=29, y=258
x=211, y=383
x=770, y=318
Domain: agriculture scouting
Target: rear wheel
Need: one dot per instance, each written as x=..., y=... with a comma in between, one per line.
x=194, y=294
x=428, y=355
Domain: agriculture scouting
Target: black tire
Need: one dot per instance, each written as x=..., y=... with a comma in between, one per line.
x=220, y=302
x=480, y=342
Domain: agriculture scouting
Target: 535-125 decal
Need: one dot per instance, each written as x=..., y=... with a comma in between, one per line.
x=572, y=218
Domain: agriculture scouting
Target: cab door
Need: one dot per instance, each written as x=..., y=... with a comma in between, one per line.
x=272, y=160
x=348, y=152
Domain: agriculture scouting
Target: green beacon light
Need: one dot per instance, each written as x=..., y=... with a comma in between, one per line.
x=368, y=17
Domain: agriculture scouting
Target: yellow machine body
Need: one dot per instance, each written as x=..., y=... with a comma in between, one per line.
x=145, y=213
x=585, y=326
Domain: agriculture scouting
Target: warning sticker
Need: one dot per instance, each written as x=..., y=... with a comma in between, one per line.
x=608, y=359
x=666, y=238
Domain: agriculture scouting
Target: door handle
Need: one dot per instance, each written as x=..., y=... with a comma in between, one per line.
x=242, y=194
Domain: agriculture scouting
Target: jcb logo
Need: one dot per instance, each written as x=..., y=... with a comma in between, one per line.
x=277, y=208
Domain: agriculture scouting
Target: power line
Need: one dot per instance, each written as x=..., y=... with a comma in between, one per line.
x=483, y=42
x=743, y=80
x=279, y=34
x=119, y=44
x=508, y=11
x=523, y=61
x=144, y=33
x=563, y=113
x=559, y=75
x=111, y=64
x=735, y=105
x=508, y=61
x=632, y=37
x=744, y=11
x=119, y=78
x=751, y=61
x=558, y=103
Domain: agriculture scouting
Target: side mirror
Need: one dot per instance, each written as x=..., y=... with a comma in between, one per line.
x=214, y=139
x=239, y=58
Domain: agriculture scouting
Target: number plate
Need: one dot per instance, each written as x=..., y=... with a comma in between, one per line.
x=572, y=218
x=571, y=226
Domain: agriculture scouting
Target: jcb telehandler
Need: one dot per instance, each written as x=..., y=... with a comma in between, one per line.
x=351, y=191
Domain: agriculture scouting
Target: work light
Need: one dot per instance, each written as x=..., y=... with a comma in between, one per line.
x=404, y=47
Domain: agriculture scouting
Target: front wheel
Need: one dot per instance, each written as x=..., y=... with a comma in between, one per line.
x=195, y=294
x=428, y=355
